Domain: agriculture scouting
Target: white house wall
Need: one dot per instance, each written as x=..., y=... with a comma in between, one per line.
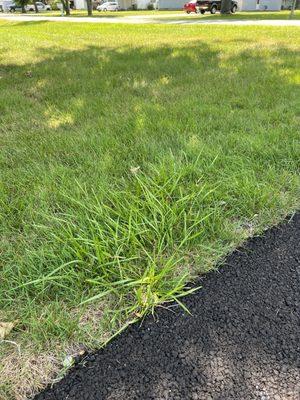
x=253, y=5
x=272, y=5
x=243, y=5
x=142, y=4
x=171, y=4
x=247, y=5
x=125, y=4
x=80, y=4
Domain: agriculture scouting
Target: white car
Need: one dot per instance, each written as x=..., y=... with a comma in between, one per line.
x=109, y=6
x=40, y=6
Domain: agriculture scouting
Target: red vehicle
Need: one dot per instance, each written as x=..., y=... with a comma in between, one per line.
x=200, y=6
x=190, y=7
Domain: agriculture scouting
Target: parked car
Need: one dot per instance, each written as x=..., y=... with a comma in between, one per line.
x=6, y=5
x=190, y=7
x=40, y=6
x=12, y=7
x=207, y=5
x=109, y=6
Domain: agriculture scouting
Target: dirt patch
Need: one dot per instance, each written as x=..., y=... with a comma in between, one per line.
x=242, y=341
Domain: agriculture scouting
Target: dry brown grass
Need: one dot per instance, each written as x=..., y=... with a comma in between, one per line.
x=25, y=373
x=25, y=370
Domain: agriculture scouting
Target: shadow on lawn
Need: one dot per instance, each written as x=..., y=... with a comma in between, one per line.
x=131, y=91
x=152, y=99
x=90, y=114
x=21, y=23
x=132, y=106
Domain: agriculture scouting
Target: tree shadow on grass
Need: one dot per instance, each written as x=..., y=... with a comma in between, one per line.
x=135, y=105
x=25, y=23
x=141, y=98
x=88, y=115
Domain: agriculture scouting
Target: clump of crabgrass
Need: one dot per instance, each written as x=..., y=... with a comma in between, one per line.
x=130, y=245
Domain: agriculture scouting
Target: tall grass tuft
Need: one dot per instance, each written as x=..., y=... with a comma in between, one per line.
x=132, y=244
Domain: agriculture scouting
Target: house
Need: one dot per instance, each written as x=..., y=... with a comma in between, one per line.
x=262, y=5
x=171, y=4
x=244, y=5
x=134, y=4
x=5, y=5
x=287, y=4
x=124, y=4
x=80, y=5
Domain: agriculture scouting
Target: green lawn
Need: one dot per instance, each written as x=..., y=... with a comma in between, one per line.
x=133, y=158
x=167, y=15
x=83, y=13
x=245, y=15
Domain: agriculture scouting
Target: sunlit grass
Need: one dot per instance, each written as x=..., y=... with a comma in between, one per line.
x=132, y=159
x=161, y=15
x=246, y=15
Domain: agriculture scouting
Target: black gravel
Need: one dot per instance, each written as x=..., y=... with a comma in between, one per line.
x=242, y=342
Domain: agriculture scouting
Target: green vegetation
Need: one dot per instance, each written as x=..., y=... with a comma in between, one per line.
x=246, y=15
x=132, y=159
x=249, y=15
x=161, y=15
x=83, y=13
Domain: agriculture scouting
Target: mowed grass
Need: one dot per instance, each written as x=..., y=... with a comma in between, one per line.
x=133, y=158
x=161, y=15
x=240, y=15
x=101, y=14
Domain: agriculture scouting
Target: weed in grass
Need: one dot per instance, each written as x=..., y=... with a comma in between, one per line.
x=131, y=244
x=86, y=245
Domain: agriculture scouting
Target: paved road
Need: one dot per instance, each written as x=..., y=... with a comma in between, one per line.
x=179, y=19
